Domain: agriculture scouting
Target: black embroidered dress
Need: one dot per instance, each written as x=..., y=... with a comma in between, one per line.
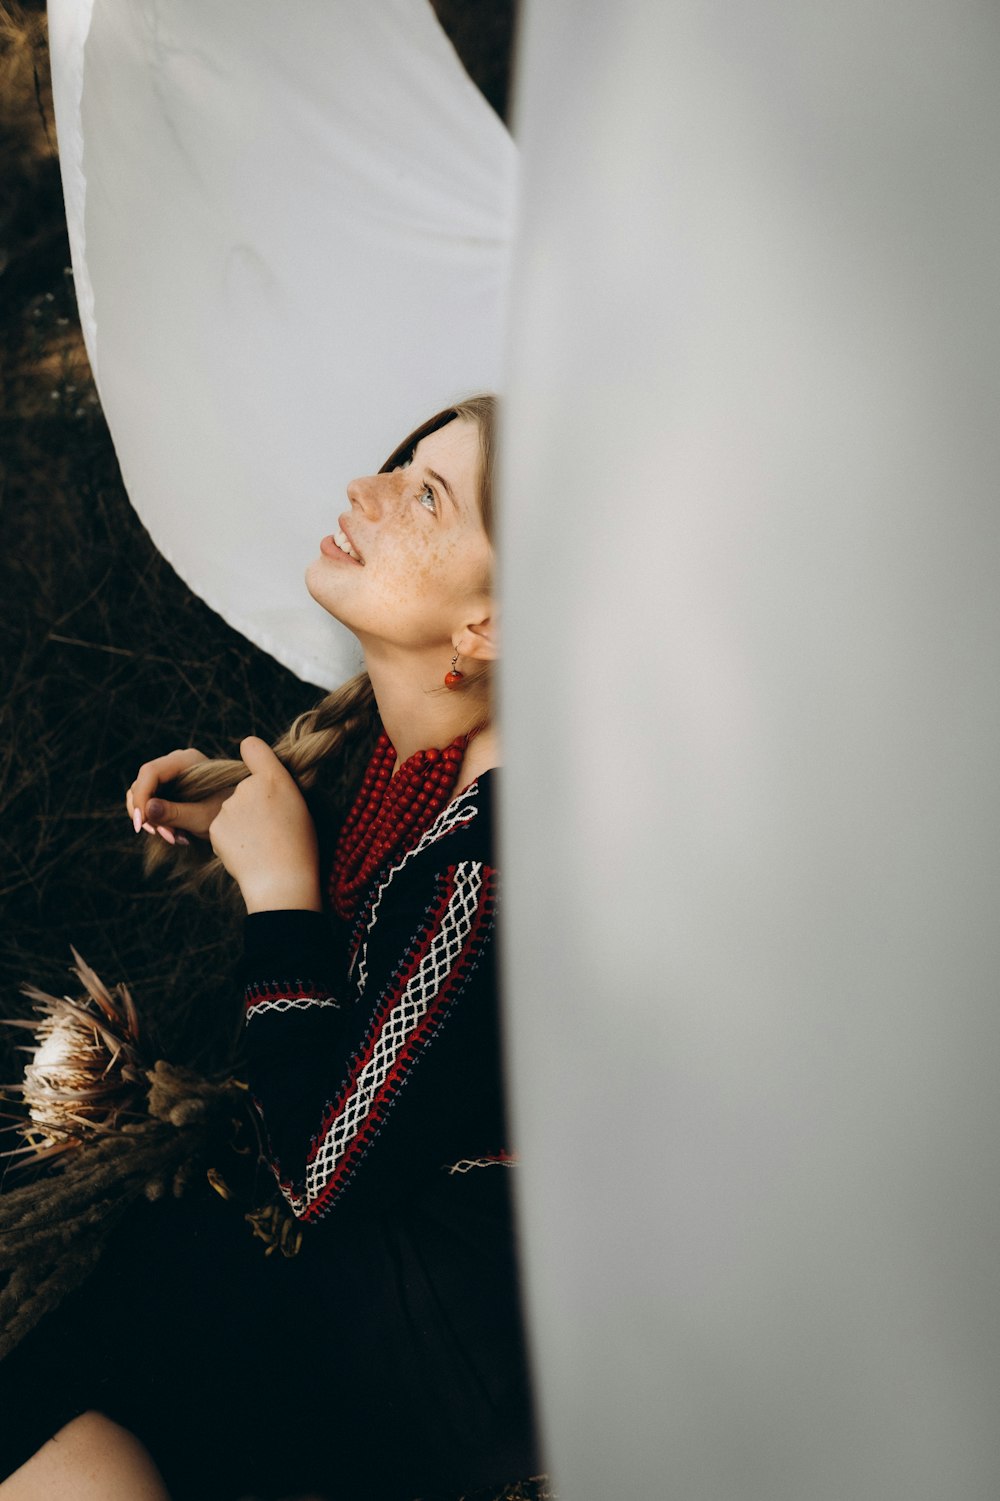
x=386, y=1359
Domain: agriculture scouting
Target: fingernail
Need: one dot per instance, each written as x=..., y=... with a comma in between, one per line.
x=167, y=834
x=182, y=839
x=149, y=828
x=137, y=820
x=154, y=809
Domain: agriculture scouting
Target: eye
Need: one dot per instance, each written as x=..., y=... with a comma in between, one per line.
x=426, y=498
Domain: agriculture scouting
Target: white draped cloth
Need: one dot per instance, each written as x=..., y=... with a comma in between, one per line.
x=290, y=227
x=751, y=698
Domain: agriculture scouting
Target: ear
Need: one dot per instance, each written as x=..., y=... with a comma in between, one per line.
x=479, y=640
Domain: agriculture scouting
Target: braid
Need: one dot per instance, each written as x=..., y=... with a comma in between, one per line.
x=326, y=750
x=345, y=716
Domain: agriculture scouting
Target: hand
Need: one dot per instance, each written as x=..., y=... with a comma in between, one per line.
x=155, y=814
x=265, y=837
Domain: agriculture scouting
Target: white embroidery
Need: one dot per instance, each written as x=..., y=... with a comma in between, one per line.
x=455, y=816
x=406, y=1014
x=289, y=1003
x=468, y=1163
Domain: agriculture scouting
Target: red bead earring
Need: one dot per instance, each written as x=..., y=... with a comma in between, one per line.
x=453, y=678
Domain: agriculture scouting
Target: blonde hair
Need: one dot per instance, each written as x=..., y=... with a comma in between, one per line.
x=327, y=748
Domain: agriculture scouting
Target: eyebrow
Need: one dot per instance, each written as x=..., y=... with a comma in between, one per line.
x=433, y=474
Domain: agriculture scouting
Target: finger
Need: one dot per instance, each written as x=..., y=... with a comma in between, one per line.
x=133, y=811
x=163, y=833
x=194, y=817
x=153, y=774
x=258, y=757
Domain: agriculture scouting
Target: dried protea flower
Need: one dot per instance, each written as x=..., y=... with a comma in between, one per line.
x=86, y=1074
x=144, y=1132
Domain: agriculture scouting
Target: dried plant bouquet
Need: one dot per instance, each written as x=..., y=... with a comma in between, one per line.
x=103, y=1126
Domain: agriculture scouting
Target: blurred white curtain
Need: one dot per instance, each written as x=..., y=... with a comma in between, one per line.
x=290, y=228
x=752, y=855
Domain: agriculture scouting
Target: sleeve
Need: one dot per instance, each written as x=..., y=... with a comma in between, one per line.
x=341, y=1082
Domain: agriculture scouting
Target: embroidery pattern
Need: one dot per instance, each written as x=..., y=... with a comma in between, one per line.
x=456, y=815
x=257, y=1008
x=407, y=1017
x=499, y=1159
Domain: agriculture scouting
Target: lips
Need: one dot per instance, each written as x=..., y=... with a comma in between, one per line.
x=340, y=544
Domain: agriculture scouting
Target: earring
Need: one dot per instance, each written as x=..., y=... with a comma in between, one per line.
x=453, y=678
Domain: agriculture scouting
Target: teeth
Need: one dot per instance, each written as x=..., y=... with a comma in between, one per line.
x=344, y=545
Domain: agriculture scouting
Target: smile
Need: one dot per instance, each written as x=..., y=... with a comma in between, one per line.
x=343, y=542
x=339, y=545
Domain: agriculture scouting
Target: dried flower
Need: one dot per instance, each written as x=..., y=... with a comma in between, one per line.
x=86, y=1075
x=146, y=1131
x=143, y=1132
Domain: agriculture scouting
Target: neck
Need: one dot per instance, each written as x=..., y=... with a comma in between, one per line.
x=417, y=711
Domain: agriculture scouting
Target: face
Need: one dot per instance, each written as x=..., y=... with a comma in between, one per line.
x=410, y=563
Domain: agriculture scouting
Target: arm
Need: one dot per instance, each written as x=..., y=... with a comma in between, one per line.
x=350, y=1089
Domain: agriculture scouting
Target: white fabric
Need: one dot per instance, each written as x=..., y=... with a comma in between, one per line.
x=752, y=663
x=290, y=231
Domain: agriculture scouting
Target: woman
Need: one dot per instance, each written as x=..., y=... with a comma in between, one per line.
x=385, y=1359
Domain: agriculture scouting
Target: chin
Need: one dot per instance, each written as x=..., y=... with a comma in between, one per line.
x=315, y=577
x=318, y=583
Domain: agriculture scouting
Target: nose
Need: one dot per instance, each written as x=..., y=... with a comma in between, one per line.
x=358, y=490
x=370, y=493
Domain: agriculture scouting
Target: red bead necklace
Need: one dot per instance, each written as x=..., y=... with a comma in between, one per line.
x=390, y=813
